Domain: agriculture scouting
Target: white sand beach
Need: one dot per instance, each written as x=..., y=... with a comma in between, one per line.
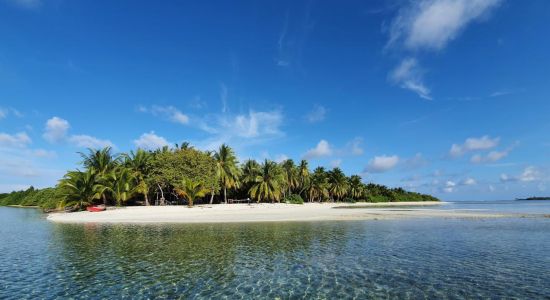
x=234, y=213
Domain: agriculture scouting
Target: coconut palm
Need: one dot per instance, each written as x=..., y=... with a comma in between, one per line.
x=338, y=183
x=268, y=184
x=303, y=175
x=191, y=190
x=250, y=171
x=318, y=187
x=101, y=162
x=120, y=183
x=139, y=164
x=78, y=188
x=355, y=186
x=290, y=174
x=227, y=169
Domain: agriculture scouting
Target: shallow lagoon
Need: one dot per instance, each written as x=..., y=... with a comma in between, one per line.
x=414, y=258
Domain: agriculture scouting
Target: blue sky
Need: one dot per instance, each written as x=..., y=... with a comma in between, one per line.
x=448, y=97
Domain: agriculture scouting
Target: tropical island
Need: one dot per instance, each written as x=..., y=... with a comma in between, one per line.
x=183, y=175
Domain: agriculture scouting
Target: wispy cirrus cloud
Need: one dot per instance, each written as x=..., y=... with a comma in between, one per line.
x=429, y=26
x=317, y=114
x=169, y=113
x=408, y=75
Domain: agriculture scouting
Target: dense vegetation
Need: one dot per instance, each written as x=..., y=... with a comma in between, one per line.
x=184, y=175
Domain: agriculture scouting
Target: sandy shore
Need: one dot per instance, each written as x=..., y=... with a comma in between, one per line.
x=233, y=213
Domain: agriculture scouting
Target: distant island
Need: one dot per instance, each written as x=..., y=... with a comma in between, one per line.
x=534, y=198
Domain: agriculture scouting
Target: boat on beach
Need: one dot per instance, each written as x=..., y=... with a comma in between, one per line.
x=95, y=208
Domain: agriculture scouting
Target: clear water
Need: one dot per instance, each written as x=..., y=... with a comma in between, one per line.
x=417, y=258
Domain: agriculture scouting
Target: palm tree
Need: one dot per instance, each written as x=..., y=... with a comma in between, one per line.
x=120, y=183
x=227, y=169
x=290, y=175
x=139, y=163
x=101, y=162
x=250, y=171
x=355, y=186
x=79, y=188
x=268, y=184
x=303, y=174
x=191, y=190
x=338, y=183
x=318, y=185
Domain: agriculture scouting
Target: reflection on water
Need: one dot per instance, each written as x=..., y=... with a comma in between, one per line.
x=434, y=258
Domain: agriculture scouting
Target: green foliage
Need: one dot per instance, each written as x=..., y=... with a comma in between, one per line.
x=47, y=198
x=191, y=190
x=192, y=174
x=293, y=199
x=169, y=168
x=349, y=200
x=268, y=185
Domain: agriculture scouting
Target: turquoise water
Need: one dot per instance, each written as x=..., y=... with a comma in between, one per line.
x=416, y=258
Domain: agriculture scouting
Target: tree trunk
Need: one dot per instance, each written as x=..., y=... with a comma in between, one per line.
x=104, y=199
x=147, y=200
x=212, y=197
x=161, y=195
x=225, y=194
x=190, y=202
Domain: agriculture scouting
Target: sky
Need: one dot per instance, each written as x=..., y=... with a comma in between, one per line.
x=446, y=97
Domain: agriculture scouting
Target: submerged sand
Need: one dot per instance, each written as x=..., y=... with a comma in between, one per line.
x=234, y=213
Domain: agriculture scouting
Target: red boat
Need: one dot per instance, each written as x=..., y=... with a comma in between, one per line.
x=95, y=208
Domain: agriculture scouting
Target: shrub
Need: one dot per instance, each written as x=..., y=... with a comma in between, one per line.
x=294, y=199
x=349, y=200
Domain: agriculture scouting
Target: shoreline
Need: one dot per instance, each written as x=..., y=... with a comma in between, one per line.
x=22, y=206
x=263, y=212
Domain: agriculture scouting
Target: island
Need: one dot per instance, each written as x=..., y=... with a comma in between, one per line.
x=145, y=181
x=533, y=198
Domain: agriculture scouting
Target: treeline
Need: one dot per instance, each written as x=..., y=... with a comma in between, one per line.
x=185, y=175
x=47, y=198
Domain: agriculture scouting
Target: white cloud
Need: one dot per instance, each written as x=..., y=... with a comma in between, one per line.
x=529, y=174
x=408, y=75
x=20, y=140
x=473, y=144
x=56, y=130
x=449, y=186
x=491, y=157
x=317, y=114
x=150, y=141
x=323, y=148
x=356, y=146
x=415, y=162
x=382, y=163
x=255, y=124
x=3, y=113
x=468, y=181
x=432, y=24
x=169, y=112
x=87, y=141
